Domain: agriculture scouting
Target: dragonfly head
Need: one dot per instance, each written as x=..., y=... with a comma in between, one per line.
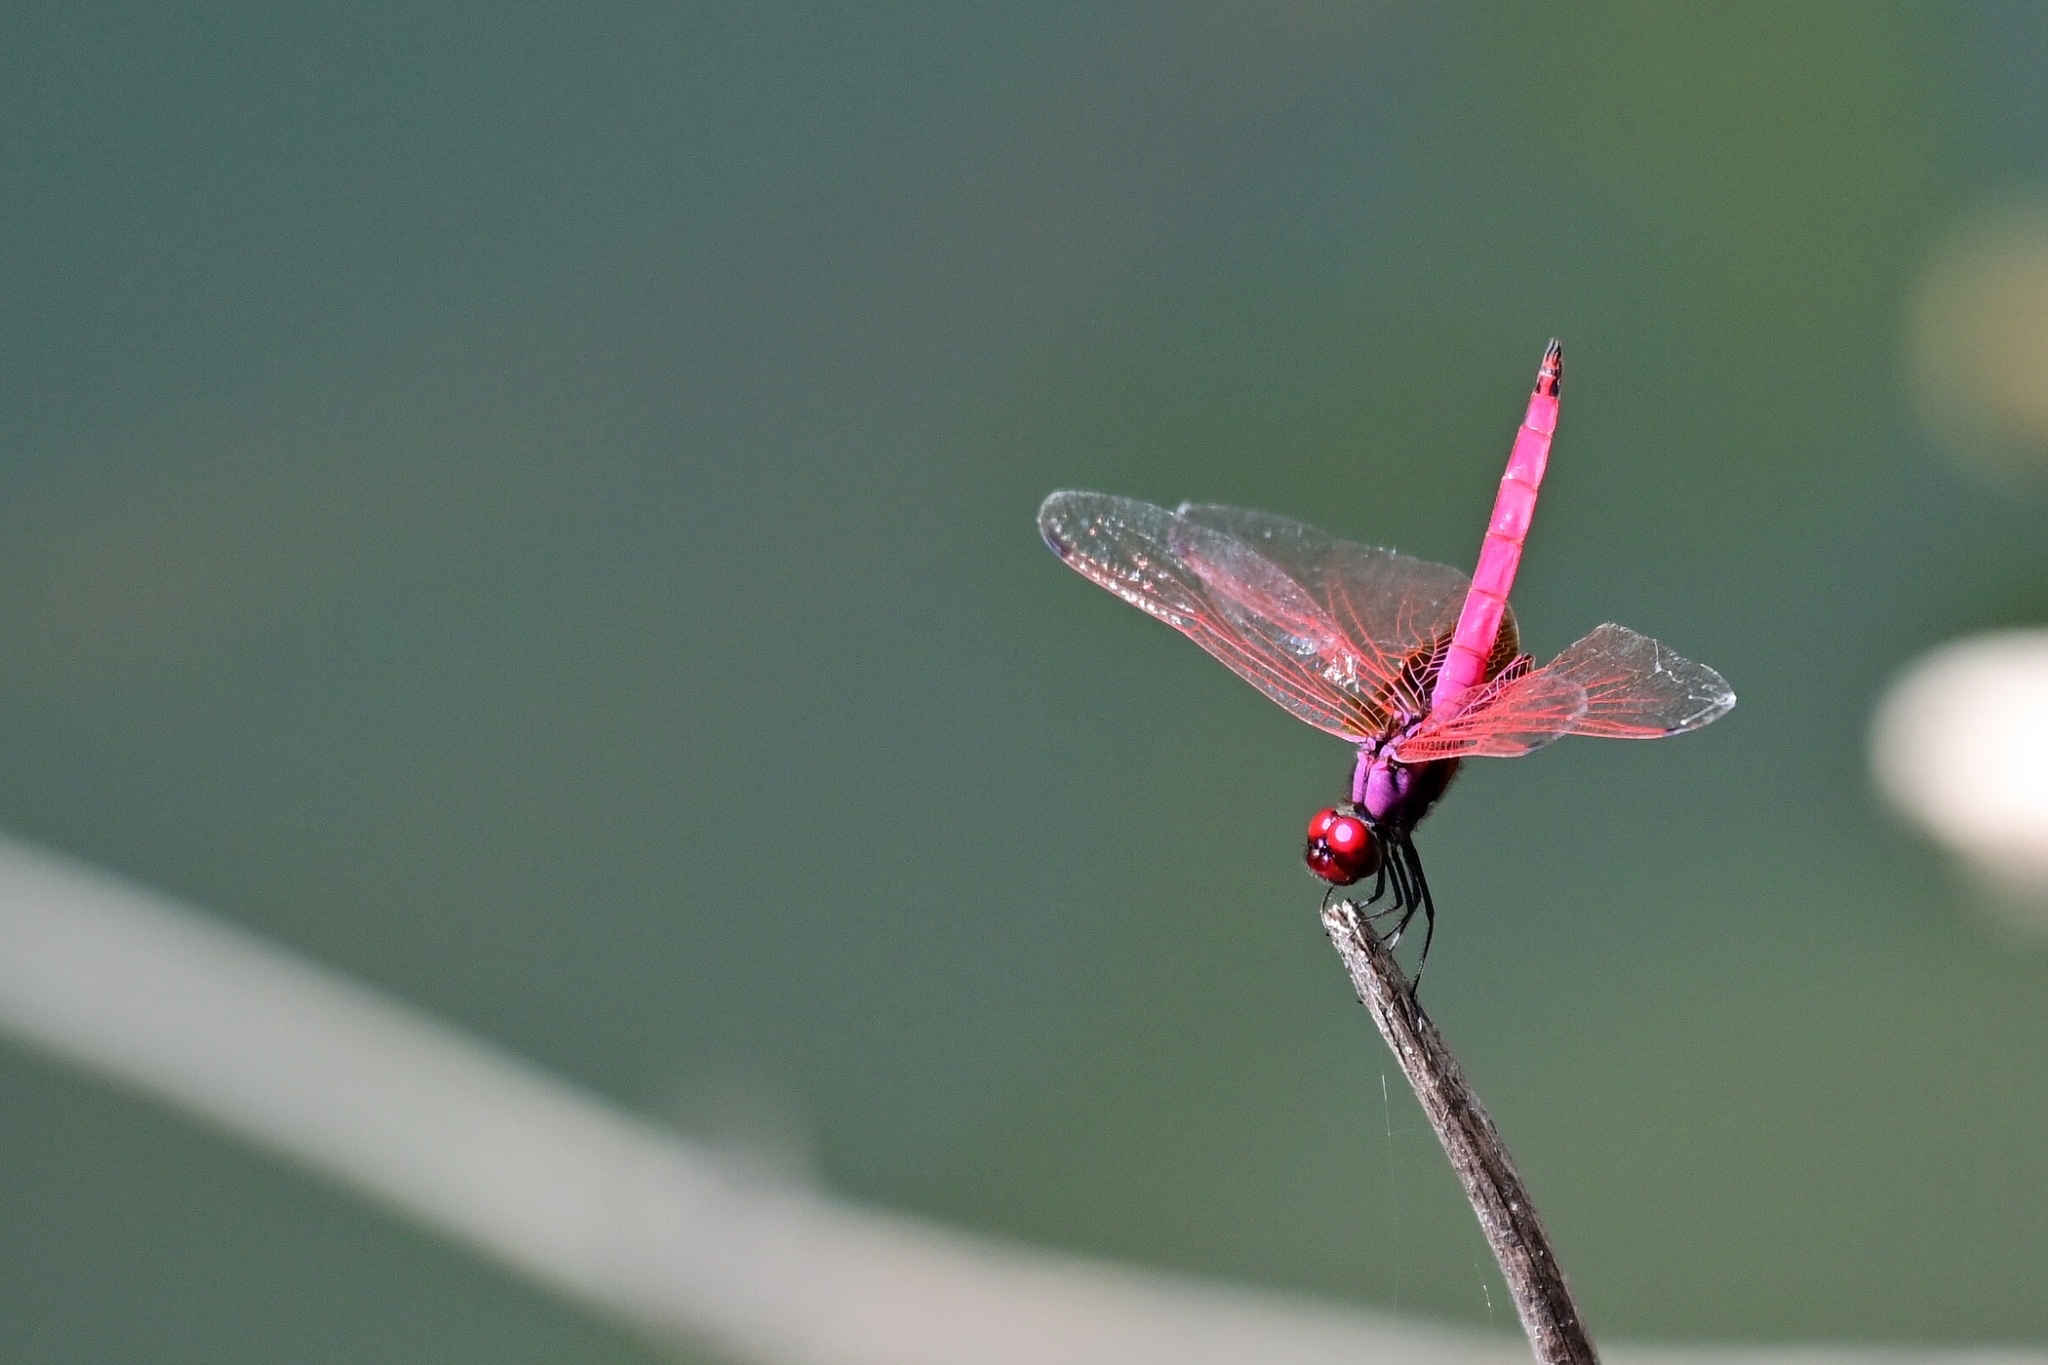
x=1341, y=846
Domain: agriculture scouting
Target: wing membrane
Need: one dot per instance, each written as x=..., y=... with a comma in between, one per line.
x=1334, y=632
x=1614, y=683
x=1394, y=611
x=1127, y=547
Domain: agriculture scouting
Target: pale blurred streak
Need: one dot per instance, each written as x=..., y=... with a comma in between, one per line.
x=559, y=1187
x=602, y=1207
x=1960, y=744
x=1979, y=342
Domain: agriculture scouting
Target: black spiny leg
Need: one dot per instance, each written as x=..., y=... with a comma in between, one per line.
x=1404, y=894
x=1379, y=885
x=1379, y=889
x=1423, y=902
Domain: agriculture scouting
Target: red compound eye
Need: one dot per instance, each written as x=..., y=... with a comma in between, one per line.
x=1341, y=848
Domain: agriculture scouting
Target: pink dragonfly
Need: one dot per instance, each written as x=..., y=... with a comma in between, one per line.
x=1418, y=666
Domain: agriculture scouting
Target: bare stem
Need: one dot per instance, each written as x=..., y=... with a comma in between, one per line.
x=1470, y=1140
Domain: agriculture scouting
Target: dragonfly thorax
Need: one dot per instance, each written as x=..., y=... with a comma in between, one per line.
x=1397, y=795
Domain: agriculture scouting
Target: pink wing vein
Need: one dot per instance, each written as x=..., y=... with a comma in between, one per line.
x=1323, y=626
x=1614, y=683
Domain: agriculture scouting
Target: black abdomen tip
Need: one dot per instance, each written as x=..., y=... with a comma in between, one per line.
x=1550, y=376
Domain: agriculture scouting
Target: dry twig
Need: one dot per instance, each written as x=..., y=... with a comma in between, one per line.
x=1470, y=1140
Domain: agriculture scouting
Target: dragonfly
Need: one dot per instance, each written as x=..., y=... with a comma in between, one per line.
x=1412, y=662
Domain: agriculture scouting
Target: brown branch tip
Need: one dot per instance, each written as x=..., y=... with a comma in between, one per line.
x=1480, y=1158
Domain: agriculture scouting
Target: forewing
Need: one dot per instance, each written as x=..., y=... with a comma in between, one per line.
x=1393, y=610
x=1615, y=683
x=1223, y=595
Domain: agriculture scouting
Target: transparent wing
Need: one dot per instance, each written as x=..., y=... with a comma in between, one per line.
x=1614, y=683
x=1395, y=612
x=1221, y=590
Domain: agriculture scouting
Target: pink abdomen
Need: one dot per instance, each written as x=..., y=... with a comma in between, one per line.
x=1464, y=667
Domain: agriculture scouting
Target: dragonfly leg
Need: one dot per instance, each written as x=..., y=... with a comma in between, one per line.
x=1389, y=879
x=1412, y=898
x=1427, y=904
x=1379, y=889
x=1404, y=895
x=1330, y=893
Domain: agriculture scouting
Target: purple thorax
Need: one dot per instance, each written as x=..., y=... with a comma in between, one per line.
x=1396, y=795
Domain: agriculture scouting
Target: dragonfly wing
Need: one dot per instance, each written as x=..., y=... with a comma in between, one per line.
x=1637, y=688
x=1396, y=612
x=1615, y=683
x=1223, y=595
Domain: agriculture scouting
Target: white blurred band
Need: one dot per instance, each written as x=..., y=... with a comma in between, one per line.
x=596, y=1205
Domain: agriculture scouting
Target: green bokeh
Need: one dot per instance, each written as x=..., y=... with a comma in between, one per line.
x=533, y=508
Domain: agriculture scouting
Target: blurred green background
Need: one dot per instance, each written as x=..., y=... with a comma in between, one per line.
x=533, y=506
